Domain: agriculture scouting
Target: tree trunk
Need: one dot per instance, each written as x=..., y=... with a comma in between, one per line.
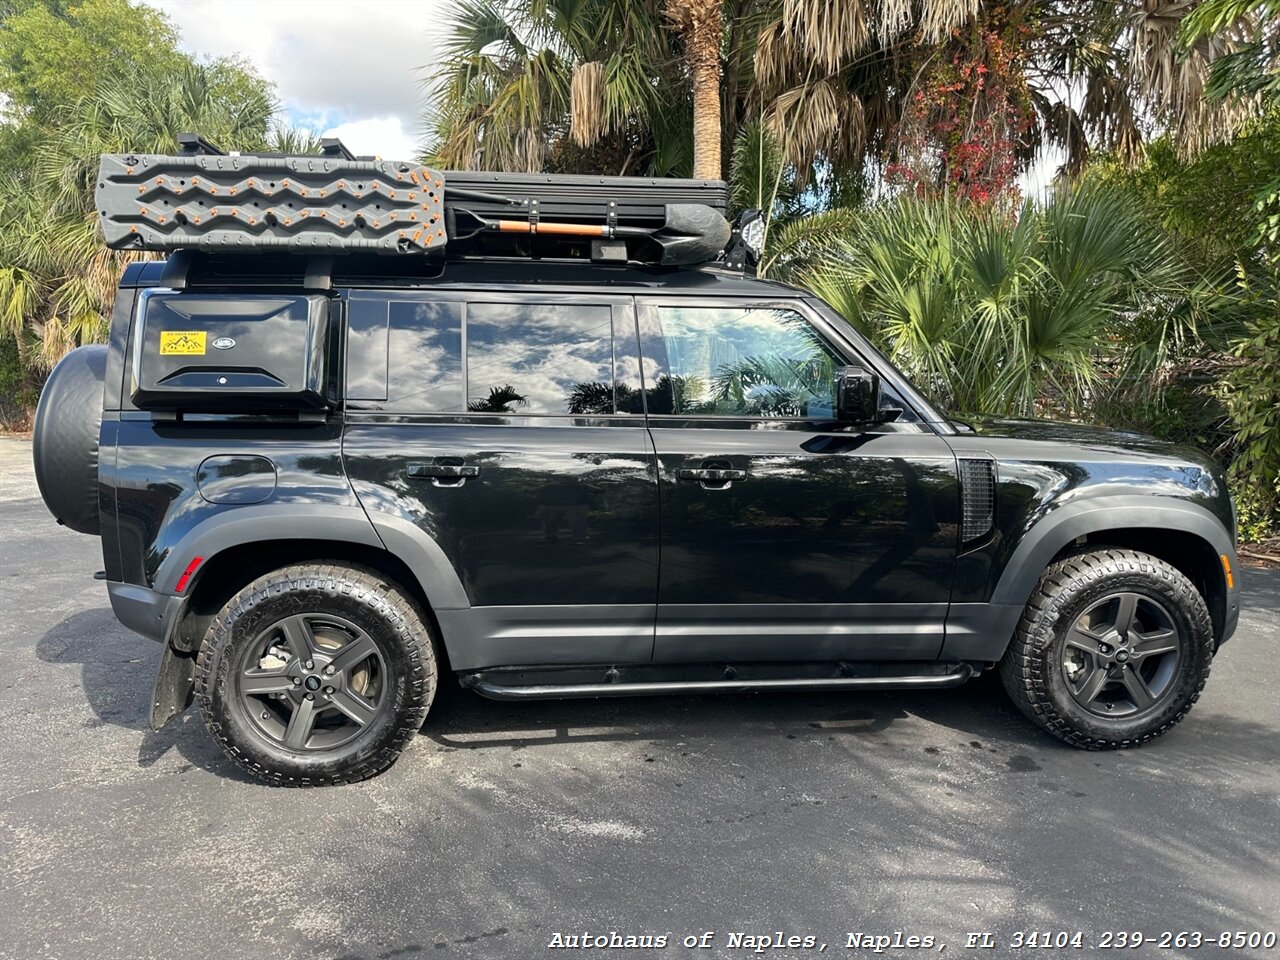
x=701, y=25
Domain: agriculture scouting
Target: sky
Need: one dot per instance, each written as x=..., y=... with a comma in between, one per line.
x=344, y=68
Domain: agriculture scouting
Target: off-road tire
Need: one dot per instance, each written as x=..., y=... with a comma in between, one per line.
x=361, y=595
x=1030, y=667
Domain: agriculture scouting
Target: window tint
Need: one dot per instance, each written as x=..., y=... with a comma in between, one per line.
x=424, y=344
x=367, y=350
x=534, y=358
x=742, y=361
x=520, y=358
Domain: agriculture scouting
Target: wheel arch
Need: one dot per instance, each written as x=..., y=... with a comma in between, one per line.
x=1183, y=534
x=226, y=572
x=236, y=564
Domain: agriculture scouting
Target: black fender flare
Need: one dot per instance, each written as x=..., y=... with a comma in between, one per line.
x=271, y=521
x=982, y=631
x=261, y=523
x=1066, y=523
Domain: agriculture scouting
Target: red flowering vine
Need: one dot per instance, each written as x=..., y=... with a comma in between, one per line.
x=963, y=125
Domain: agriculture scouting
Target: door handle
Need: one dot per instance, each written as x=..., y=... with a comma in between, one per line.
x=713, y=474
x=442, y=474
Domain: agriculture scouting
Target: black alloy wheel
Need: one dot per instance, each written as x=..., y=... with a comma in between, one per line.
x=316, y=673
x=1112, y=650
x=1120, y=657
x=312, y=681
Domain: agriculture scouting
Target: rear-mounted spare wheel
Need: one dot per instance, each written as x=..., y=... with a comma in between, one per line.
x=66, y=438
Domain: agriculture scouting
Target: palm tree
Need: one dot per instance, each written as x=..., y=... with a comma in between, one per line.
x=57, y=281
x=520, y=83
x=993, y=313
x=701, y=27
x=597, y=85
x=1080, y=74
x=500, y=400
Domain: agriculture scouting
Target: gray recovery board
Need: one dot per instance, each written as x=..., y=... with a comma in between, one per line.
x=289, y=204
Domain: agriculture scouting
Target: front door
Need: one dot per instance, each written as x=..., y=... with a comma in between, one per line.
x=505, y=436
x=787, y=535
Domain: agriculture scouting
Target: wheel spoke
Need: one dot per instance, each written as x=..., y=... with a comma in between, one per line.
x=258, y=683
x=354, y=652
x=1092, y=685
x=1137, y=688
x=1126, y=609
x=1155, y=642
x=298, y=636
x=1082, y=639
x=300, y=724
x=354, y=706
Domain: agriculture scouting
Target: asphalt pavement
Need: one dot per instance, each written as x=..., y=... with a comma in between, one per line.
x=503, y=826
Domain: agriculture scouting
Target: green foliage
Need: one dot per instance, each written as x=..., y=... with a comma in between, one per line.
x=1208, y=203
x=18, y=394
x=1256, y=518
x=1004, y=314
x=1250, y=69
x=53, y=53
x=1251, y=394
x=520, y=86
x=82, y=79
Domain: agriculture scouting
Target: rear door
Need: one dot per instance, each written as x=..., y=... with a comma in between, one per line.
x=505, y=433
x=787, y=535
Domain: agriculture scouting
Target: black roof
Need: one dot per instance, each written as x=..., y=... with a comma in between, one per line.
x=405, y=272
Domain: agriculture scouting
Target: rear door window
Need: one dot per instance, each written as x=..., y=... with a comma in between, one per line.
x=530, y=358
x=445, y=355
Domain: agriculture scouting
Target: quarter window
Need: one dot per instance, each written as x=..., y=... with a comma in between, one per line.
x=446, y=356
x=743, y=361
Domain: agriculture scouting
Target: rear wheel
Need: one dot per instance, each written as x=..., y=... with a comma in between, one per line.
x=316, y=674
x=1113, y=649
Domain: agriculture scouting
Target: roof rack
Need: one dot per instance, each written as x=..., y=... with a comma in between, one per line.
x=205, y=199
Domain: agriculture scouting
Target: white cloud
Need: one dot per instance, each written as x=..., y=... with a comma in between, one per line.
x=337, y=64
x=380, y=136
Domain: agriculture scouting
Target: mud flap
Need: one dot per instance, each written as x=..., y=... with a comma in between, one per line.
x=175, y=686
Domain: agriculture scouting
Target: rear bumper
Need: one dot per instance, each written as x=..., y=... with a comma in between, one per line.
x=144, y=611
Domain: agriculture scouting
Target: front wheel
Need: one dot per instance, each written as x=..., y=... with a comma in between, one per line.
x=1112, y=650
x=316, y=674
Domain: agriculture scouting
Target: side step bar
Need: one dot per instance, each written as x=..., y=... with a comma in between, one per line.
x=552, y=691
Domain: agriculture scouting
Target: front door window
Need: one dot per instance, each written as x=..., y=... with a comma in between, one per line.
x=743, y=362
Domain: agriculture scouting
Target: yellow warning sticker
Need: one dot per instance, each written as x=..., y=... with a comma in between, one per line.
x=182, y=342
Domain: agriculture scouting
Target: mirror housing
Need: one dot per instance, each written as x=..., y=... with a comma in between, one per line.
x=857, y=395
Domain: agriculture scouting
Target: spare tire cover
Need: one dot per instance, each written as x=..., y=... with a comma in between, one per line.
x=66, y=438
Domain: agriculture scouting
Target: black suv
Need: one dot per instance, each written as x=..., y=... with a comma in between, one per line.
x=557, y=479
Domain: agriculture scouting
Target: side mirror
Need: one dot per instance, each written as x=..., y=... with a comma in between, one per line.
x=857, y=395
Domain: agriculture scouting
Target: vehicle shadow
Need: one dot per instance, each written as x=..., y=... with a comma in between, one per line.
x=463, y=720
x=117, y=672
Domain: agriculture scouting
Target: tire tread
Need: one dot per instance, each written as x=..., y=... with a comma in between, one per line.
x=337, y=576
x=1022, y=669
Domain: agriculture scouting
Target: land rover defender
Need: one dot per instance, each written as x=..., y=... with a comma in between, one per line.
x=549, y=437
